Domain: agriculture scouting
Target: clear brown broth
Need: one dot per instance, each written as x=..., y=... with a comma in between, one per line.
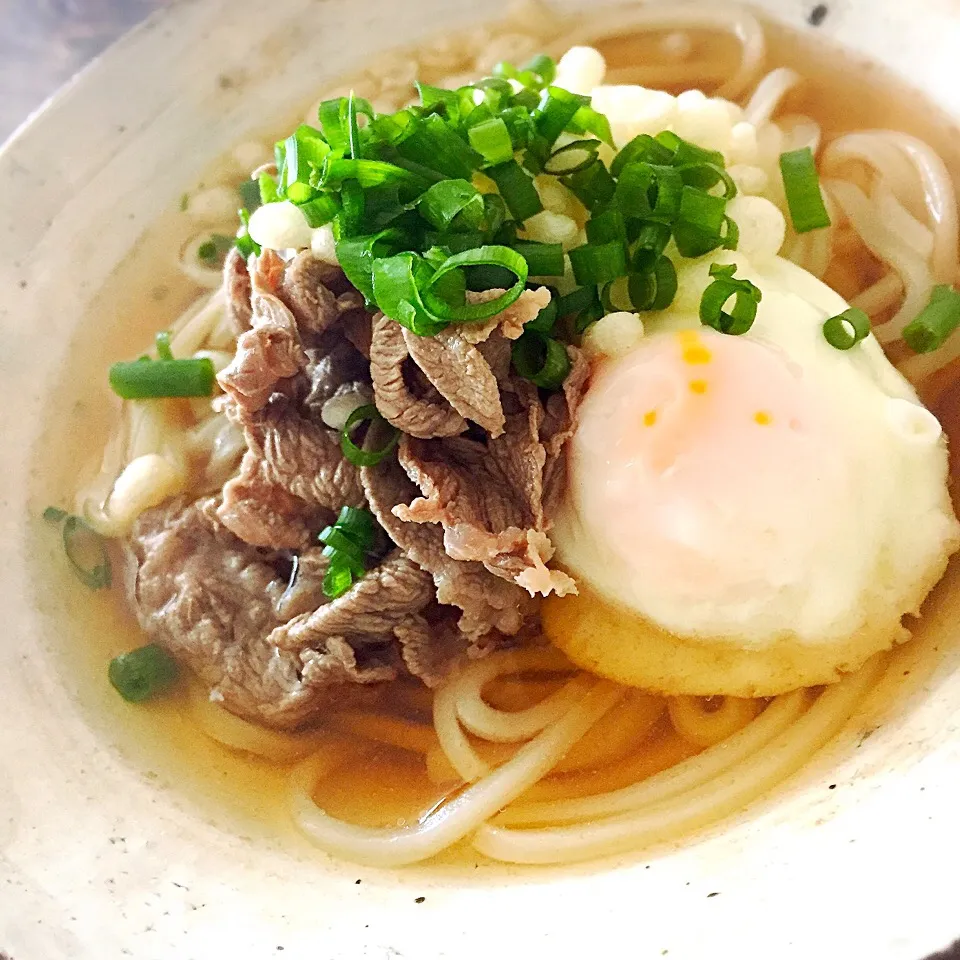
x=145, y=294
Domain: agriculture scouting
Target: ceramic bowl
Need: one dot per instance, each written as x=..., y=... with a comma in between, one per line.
x=103, y=852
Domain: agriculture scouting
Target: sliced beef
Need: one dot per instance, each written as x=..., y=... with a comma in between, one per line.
x=509, y=322
x=384, y=597
x=559, y=423
x=306, y=292
x=328, y=369
x=237, y=291
x=461, y=375
x=431, y=644
x=270, y=351
x=488, y=500
x=304, y=590
x=420, y=416
x=489, y=604
x=209, y=599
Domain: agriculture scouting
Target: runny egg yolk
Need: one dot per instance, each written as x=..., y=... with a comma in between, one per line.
x=708, y=444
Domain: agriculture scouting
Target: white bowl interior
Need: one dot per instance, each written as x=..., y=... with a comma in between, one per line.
x=102, y=851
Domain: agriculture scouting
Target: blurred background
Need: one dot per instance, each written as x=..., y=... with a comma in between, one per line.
x=44, y=42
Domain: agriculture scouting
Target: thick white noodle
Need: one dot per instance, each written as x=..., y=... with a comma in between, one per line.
x=238, y=734
x=770, y=91
x=881, y=295
x=193, y=327
x=676, y=779
x=459, y=816
x=682, y=16
x=889, y=248
x=505, y=726
x=922, y=365
x=727, y=793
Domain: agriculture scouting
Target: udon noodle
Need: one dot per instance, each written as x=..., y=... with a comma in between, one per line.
x=533, y=761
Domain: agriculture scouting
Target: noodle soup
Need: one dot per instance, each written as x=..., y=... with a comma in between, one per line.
x=605, y=767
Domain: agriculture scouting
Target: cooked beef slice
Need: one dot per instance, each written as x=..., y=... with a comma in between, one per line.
x=237, y=291
x=427, y=415
x=306, y=293
x=430, y=644
x=559, y=423
x=210, y=599
x=461, y=375
x=384, y=597
x=488, y=603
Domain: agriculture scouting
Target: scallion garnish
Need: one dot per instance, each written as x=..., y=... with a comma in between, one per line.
x=541, y=360
x=162, y=341
x=363, y=456
x=596, y=263
x=846, y=329
x=347, y=544
x=491, y=140
x=250, y=194
x=725, y=285
x=211, y=253
x=142, y=380
x=572, y=158
x=517, y=189
x=84, y=547
x=935, y=322
x=802, y=186
x=654, y=289
x=143, y=673
x=543, y=259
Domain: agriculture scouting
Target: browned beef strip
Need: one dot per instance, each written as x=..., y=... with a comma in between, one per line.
x=510, y=322
x=418, y=416
x=559, y=423
x=460, y=373
x=305, y=290
x=377, y=602
x=431, y=644
x=236, y=291
x=302, y=456
x=210, y=600
x=488, y=603
x=270, y=351
x=262, y=513
x=304, y=590
x=329, y=368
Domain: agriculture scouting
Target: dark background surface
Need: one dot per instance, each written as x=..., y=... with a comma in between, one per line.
x=44, y=42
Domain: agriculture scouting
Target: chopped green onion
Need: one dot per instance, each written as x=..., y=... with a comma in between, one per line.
x=649, y=244
x=541, y=360
x=595, y=263
x=162, y=341
x=731, y=234
x=724, y=286
x=543, y=66
x=441, y=203
x=84, y=547
x=935, y=322
x=516, y=188
x=705, y=176
x=846, y=329
x=438, y=146
x=491, y=140
x=245, y=243
x=398, y=283
x=588, y=120
x=699, y=222
x=268, y=189
x=592, y=186
x=337, y=580
x=212, y=252
x=574, y=303
x=364, y=457
x=138, y=380
x=320, y=210
x=347, y=544
x=358, y=255
x=684, y=152
x=649, y=192
x=557, y=108
x=607, y=226
x=641, y=149
x=572, y=158
x=250, y=196
x=546, y=319
x=474, y=312
x=654, y=289
x=543, y=259
x=142, y=673
x=802, y=186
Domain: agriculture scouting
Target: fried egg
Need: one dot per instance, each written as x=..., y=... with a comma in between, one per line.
x=746, y=514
